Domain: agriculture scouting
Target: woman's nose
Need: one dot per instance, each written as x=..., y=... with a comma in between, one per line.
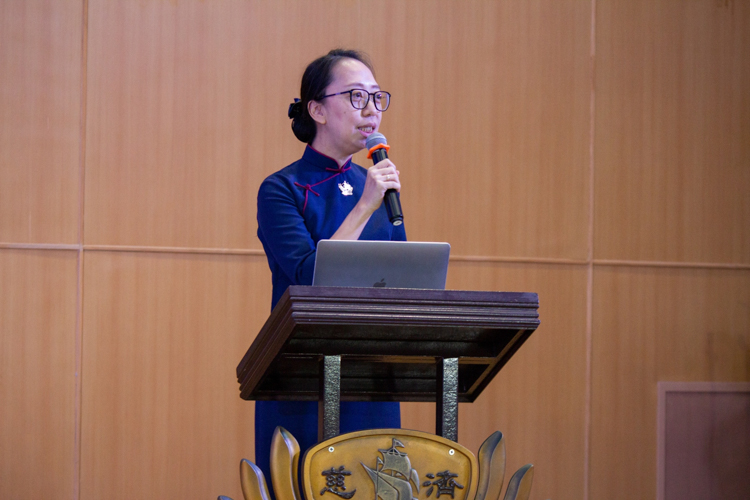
x=370, y=108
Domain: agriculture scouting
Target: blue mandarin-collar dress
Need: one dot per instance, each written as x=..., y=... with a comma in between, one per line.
x=297, y=207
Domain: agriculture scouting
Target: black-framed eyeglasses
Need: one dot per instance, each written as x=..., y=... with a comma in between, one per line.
x=360, y=98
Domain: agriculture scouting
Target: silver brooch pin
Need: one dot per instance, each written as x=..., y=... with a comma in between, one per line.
x=346, y=188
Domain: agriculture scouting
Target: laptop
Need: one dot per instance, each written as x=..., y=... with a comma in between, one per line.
x=391, y=264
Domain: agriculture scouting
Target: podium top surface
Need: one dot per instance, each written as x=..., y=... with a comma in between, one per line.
x=388, y=340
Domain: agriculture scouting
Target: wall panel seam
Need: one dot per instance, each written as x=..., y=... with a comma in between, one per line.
x=671, y=265
x=79, y=283
x=454, y=258
x=176, y=250
x=39, y=246
x=590, y=259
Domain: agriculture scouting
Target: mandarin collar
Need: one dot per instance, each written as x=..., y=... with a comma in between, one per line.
x=324, y=162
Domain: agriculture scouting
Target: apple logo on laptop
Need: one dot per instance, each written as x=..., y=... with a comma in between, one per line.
x=380, y=284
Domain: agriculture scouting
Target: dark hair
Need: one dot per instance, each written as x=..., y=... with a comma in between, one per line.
x=315, y=80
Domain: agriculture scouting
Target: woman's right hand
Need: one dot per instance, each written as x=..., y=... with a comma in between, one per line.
x=380, y=177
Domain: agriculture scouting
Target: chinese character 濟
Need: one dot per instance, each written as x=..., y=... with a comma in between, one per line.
x=446, y=485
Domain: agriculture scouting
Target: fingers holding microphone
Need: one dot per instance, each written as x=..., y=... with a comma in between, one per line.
x=387, y=175
x=380, y=179
x=378, y=148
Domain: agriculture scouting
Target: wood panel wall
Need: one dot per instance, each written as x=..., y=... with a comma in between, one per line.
x=596, y=152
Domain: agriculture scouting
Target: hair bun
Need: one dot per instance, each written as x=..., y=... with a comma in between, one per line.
x=295, y=109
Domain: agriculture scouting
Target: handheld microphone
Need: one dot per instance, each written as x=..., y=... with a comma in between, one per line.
x=378, y=147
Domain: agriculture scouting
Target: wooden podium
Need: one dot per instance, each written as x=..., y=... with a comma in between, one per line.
x=385, y=344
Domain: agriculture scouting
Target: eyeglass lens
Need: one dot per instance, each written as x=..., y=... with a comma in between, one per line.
x=360, y=98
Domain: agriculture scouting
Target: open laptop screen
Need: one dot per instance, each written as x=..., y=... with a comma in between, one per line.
x=392, y=264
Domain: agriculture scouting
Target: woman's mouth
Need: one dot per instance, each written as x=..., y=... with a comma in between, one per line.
x=367, y=130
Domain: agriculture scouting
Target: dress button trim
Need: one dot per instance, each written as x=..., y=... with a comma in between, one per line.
x=309, y=187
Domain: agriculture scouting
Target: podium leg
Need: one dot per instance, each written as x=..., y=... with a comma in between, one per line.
x=446, y=409
x=329, y=398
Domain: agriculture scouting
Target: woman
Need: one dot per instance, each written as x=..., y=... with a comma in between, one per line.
x=325, y=196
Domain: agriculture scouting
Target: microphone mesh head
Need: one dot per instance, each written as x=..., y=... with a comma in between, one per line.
x=375, y=139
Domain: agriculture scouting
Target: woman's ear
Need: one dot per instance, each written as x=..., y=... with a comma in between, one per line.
x=317, y=111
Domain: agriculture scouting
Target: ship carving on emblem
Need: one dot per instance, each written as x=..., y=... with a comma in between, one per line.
x=393, y=475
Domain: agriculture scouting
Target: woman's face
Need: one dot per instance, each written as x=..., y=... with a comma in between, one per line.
x=346, y=129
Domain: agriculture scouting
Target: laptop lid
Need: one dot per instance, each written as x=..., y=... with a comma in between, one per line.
x=392, y=264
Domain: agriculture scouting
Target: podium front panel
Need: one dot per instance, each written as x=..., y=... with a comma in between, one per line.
x=388, y=340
